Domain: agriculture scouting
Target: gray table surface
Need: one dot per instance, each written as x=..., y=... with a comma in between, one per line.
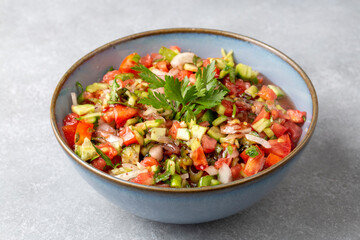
x=41, y=195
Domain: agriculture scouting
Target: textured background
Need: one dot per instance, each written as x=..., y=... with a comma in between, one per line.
x=41, y=195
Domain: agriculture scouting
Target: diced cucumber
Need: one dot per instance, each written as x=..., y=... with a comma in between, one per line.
x=220, y=109
x=194, y=144
x=96, y=86
x=132, y=99
x=131, y=121
x=214, y=182
x=124, y=76
x=277, y=90
x=215, y=133
x=219, y=120
x=252, y=91
x=139, y=138
x=117, y=145
x=86, y=151
x=197, y=131
x=220, y=63
x=190, y=67
x=269, y=132
x=260, y=125
x=150, y=124
x=183, y=134
x=130, y=154
x=91, y=117
x=205, y=181
x=157, y=133
x=245, y=72
x=175, y=181
x=208, y=116
x=83, y=109
x=170, y=166
x=167, y=53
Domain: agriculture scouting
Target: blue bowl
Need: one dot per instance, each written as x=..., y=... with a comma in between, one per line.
x=193, y=205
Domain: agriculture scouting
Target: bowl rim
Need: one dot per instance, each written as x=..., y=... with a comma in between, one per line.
x=235, y=183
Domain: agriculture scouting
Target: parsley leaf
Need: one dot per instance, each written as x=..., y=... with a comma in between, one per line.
x=252, y=151
x=103, y=156
x=184, y=99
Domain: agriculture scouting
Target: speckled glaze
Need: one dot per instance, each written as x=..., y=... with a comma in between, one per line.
x=187, y=205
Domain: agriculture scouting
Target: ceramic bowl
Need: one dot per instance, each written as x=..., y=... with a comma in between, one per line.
x=193, y=205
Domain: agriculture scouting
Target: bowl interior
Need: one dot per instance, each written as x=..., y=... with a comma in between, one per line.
x=273, y=64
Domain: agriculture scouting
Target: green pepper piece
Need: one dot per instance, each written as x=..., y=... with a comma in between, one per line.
x=175, y=181
x=205, y=181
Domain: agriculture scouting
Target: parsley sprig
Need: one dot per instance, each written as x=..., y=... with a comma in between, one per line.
x=185, y=100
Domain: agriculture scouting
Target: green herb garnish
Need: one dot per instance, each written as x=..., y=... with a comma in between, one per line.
x=183, y=99
x=252, y=151
x=103, y=156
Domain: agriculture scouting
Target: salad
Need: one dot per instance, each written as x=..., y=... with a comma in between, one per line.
x=174, y=119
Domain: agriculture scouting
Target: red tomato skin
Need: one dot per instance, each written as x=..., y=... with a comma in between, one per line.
x=162, y=65
x=122, y=114
x=173, y=129
x=267, y=93
x=244, y=156
x=108, y=150
x=69, y=133
x=199, y=159
x=110, y=76
x=183, y=73
x=128, y=136
x=70, y=119
x=99, y=163
x=278, y=129
x=228, y=107
x=254, y=165
x=192, y=79
x=156, y=56
x=208, y=144
x=263, y=114
x=83, y=130
x=296, y=116
x=149, y=161
x=146, y=178
x=222, y=161
x=281, y=146
x=272, y=159
x=147, y=61
x=235, y=171
x=294, y=131
x=175, y=48
x=127, y=64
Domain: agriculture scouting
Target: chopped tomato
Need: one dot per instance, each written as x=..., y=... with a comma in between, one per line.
x=146, y=178
x=244, y=156
x=156, y=56
x=222, y=161
x=108, y=115
x=275, y=114
x=128, y=136
x=199, y=159
x=173, y=129
x=241, y=86
x=281, y=146
x=83, y=130
x=70, y=119
x=108, y=150
x=69, y=133
x=255, y=164
x=99, y=163
x=175, y=48
x=129, y=62
x=192, y=79
x=228, y=107
x=149, y=161
x=235, y=171
x=110, y=76
x=182, y=74
x=294, y=131
x=296, y=116
x=267, y=93
x=278, y=129
x=146, y=61
x=126, y=82
x=263, y=114
x=208, y=144
x=116, y=160
x=272, y=159
x=123, y=113
x=162, y=65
